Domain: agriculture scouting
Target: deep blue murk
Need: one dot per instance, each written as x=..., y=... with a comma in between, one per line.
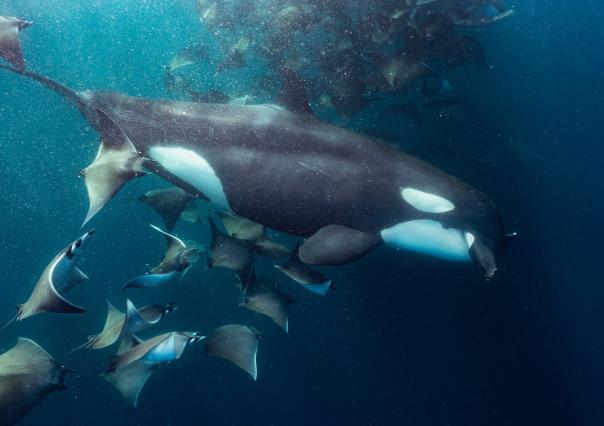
x=401, y=341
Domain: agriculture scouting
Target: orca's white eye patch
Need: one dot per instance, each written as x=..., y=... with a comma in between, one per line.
x=426, y=202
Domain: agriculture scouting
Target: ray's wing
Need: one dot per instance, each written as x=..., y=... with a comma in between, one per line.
x=191, y=213
x=134, y=320
x=152, y=314
x=303, y=274
x=136, y=353
x=24, y=357
x=10, y=47
x=111, y=331
x=77, y=277
x=231, y=253
x=116, y=163
x=27, y=375
x=168, y=203
x=131, y=379
x=265, y=246
x=237, y=344
x=241, y=228
x=151, y=280
x=127, y=343
x=270, y=302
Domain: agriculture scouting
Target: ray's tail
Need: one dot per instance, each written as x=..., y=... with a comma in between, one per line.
x=88, y=378
x=9, y=322
x=77, y=348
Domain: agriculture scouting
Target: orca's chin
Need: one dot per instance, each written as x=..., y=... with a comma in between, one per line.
x=428, y=237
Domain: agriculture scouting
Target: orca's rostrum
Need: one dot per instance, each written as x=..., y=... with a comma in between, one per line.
x=282, y=167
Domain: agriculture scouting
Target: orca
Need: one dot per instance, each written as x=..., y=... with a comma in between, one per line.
x=282, y=167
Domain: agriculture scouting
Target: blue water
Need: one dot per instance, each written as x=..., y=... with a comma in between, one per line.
x=400, y=341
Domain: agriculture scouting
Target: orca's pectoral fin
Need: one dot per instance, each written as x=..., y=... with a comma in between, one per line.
x=481, y=255
x=116, y=163
x=337, y=245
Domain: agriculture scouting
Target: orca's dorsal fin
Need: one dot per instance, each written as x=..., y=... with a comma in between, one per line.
x=292, y=95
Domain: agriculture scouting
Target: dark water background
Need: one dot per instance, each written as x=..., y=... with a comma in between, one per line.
x=400, y=341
